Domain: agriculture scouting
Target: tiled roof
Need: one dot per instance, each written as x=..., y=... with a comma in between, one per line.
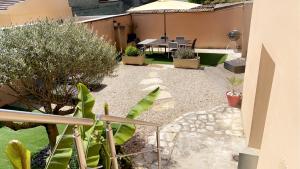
x=4, y=4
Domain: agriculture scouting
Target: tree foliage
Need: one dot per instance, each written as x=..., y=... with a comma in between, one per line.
x=46, y=60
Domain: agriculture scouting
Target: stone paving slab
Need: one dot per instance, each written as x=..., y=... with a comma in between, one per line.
x=204, y=139
x=151, y=81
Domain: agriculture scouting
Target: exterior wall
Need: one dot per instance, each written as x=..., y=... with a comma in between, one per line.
x=273, y=127
x=31, y=10
x=210, y=28
x=105, y=28
x=148, y=26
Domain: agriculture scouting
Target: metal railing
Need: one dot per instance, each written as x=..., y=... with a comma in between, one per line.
x=22, y=116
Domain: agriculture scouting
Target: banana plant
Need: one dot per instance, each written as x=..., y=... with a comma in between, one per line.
x=95, y=143
x=18, y=155
x=125, y=131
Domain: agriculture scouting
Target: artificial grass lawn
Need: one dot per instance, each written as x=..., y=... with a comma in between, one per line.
x=158, y=58
x=206, y=59
x=34, y=140
x=212, y=59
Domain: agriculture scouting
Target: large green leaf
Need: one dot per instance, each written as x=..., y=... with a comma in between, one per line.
x=85, y=105
x=18, y=155
x=105, y=154
x=123, y=132
x=143, y=105
x=92, y=142
x=62, y=152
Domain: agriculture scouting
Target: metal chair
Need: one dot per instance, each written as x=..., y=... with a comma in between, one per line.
x=173, y=47
x=194, y=43
x=179, y=38
x=163, y=39
x=181, y=41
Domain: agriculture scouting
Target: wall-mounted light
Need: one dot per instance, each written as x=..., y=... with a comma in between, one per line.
x=115, y=24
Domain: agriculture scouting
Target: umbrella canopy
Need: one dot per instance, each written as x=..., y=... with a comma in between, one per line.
x=164, y=5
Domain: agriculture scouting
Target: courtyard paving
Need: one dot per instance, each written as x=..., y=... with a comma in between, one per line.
x=199, y=129
x=203, y=139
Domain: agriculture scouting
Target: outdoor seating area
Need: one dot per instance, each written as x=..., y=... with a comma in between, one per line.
x=164, y=84
x=166, y=43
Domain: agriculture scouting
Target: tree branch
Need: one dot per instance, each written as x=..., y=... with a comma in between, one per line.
x=66, y=112
x=20, y=126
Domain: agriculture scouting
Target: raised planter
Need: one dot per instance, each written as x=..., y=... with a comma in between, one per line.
x=186, y=63
x=133, y=60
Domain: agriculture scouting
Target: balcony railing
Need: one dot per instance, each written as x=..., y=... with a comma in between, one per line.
x=21, y=116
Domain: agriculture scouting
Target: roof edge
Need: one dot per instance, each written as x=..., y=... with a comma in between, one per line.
x=101, y=18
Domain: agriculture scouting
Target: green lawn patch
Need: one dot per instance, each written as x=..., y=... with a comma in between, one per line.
x=212, y=59
x=34, y=139
x=206, y=59
x=158, y=58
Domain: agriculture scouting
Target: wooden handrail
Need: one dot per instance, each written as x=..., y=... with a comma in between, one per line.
x=23, y=116
x=114, y=119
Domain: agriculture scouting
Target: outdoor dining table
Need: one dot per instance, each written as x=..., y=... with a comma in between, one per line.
x=162, y=43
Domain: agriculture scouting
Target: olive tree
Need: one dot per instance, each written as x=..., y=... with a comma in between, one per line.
x=43, y=62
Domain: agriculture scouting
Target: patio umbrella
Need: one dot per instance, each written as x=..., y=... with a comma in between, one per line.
x=164, y=5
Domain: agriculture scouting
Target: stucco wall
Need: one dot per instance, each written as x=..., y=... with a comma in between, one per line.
x=210, y=28
x=31, y=10
x=274, y=126
x=105, y=28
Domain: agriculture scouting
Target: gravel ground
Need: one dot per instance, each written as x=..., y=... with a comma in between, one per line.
x=191, y=90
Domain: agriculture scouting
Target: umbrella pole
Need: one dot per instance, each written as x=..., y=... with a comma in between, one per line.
x=165, y=30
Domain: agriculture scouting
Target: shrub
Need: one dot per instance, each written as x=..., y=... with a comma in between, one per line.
x=47, y=59
x=184, y=53
x=132, y=51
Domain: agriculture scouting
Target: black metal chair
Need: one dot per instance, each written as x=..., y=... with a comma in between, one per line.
x=163, y=39
x=194, y=43
x=179, y=38
x=173, y=47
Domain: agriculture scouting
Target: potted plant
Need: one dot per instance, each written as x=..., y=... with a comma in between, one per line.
x=185, y=58
x=233, y=96
x=133, y=56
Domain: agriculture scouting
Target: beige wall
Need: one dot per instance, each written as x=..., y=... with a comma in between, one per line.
x=105, y=28
x=272, y=123
x=31, y=10
x=210, y=28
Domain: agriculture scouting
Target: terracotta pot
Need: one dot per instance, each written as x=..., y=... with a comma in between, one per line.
x=233, y=100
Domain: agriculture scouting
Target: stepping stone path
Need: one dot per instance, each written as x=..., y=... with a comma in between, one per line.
x=164, y=100
x=151, y=81
x=203, y=139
